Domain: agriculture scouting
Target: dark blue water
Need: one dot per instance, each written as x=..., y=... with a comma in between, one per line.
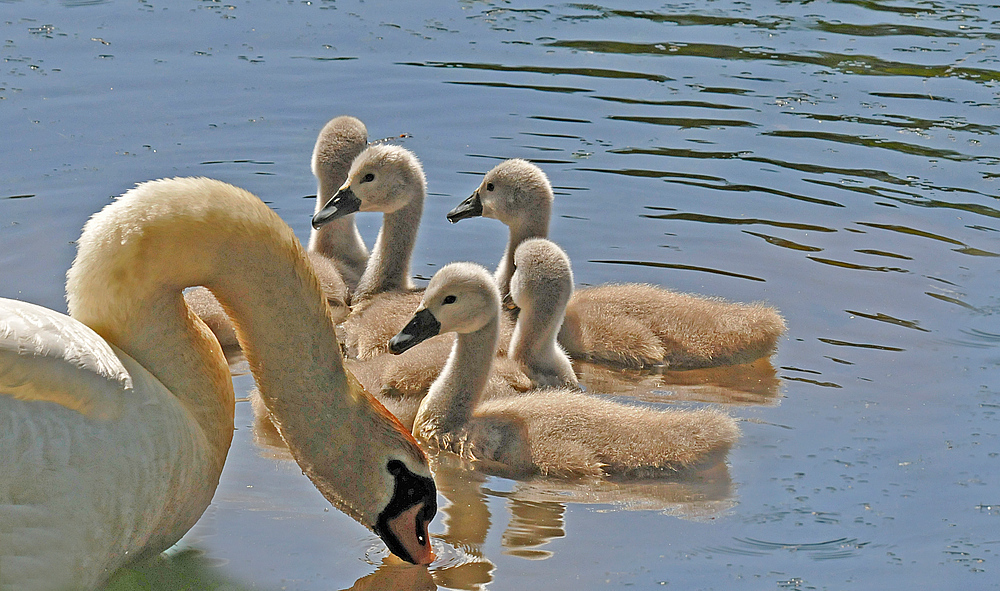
x=839, y=160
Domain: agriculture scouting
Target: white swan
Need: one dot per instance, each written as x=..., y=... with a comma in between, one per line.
x=115, y=422
x=555, y=432
x=337, y=252
x=627, y=324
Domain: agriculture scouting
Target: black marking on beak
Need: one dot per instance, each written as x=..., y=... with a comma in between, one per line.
x=470, y=208
x=341, y=204
x=410, y=490
x=421, y=327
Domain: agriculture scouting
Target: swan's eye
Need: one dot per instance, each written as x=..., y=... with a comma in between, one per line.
x=450, y=299
x=368, y=178
x=489, y=186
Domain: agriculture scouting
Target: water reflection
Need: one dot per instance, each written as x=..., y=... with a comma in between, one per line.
x=589, y=72
x=678, y=266
x=827, y=550
x=860, y=133
x=396, y=575
x=191, y=568
x=868, y=65
x=537, y=507
x=753, y=383
x=537, y=511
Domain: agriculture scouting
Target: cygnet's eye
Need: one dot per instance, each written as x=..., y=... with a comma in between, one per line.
x=489, y=186
x=450, y=299
x=368, y=178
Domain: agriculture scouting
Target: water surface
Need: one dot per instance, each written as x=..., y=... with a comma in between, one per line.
x=838, y=160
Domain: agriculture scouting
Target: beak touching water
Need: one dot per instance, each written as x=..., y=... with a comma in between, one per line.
x=402, y=525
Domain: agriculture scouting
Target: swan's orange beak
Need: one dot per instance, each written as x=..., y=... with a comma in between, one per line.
x=410, y=529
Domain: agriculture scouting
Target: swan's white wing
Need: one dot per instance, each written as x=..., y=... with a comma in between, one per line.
x=48, y=356
x=97, y=459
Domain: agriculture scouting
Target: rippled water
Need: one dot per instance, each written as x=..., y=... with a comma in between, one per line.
x=839, y=160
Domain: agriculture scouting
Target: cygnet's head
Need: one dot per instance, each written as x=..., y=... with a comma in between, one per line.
x=512, y=190
x=461, y=297
x=338, y=144
x=383, y=178
x=543, y=276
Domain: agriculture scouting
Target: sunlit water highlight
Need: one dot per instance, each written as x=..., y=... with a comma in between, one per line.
x=838, y=160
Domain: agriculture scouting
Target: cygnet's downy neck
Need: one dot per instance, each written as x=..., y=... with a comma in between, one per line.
x=340, y=241
x=339, y=142
x=521, y=229
x=454, y=394
x=388, y=266
x=534, y=346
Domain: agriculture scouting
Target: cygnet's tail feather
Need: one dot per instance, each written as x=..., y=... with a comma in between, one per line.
x=576, y=434
x=637, y=325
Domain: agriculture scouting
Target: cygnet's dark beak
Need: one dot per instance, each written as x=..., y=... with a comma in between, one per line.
x=421, y=327
x=343, y=203
x=470, y=208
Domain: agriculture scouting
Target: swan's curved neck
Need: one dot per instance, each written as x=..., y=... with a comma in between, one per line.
x=388, y=266
x=536, y=226
x=138, y=254
x=453, y=396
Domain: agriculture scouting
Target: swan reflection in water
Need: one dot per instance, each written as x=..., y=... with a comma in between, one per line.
x=537, y=509
x=537, y=506
x=191, y=568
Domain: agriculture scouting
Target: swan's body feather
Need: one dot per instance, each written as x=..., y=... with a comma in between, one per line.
x=570, y=434
x=78, y=415
x=42, y=351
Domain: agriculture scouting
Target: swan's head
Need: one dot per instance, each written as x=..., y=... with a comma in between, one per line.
x=338, y=143
x=384, y=178
x=513, y=190
x=461, y=297
x=402, y=523
x=542, y=275
x=373, y=470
